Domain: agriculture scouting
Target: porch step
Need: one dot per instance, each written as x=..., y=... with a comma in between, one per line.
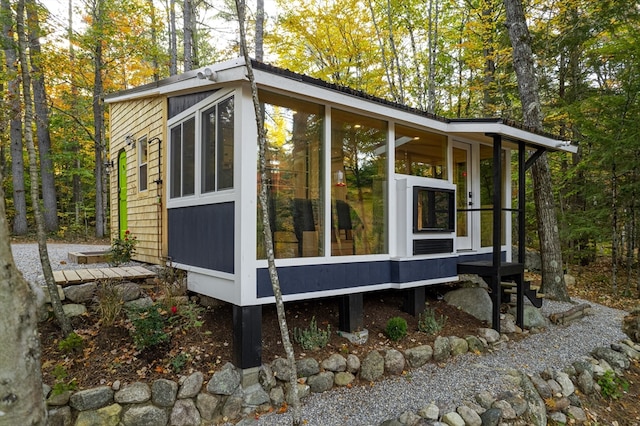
x=531, y=291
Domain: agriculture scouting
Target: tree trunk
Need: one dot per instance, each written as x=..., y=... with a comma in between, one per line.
x=260, y=30
x=49, y=197
x=188, y=35
x=75, y=146
x=173, y=39
x=56, y=304
x=553, y=284
x=266, y=223
x=98, y=123
x=20, y=226
x=21, y=397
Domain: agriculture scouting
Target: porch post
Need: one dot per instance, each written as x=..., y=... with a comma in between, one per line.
x=247, y=336
x=414, y=300
x=351, y=313
x=497, y=229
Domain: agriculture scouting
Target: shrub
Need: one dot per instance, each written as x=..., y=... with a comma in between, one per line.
x=312, y=337
x=612, y=386
x=61, y=385
x=148, y=327
x=428, y=323
x=178, y=362
x=187, y=316
x=71, y=343
x=122, y=249
x=108, y=303
x=396, y=328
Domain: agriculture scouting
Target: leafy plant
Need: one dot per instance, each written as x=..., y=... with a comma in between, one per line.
x=61, y=385
x=108, y=303
x=312, y=337
x=187, y=316
x=148, y=327
x=122, y=249
x=71, y=343
x=428, y=323
x=178, y=362
x=612, y=386
x=396, y=328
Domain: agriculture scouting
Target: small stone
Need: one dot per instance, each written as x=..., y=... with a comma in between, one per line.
x=59, y=399
x=164, y=392
x=372, y=367
x=232, y=407
x=485, y=399
x=255, y=395
x=409, y=418
x=74, y=309
x=441, y=349
x=225, y=381
x=191, y=385
x=458, y=346
x=266, y=378
x=144, y=415
x=106, y=416
x=453, y=419
x=185, y=413
x=206, y=405
x=491, y=417
x=419, y=355
x=565, y=383
x=134, y=393
x=91, y=399
x=585, y=382
x=343, y=378
x=558, y=417
x=577, y=414
x=335, y=363
x=281, y=369
x=489, y=334
x=321, y=382
x=353, y=363
x=307, y=367
x=276, y=395
x=508, y=413
x=470, y=417
x=393, y=362
x=430, y=412
x=475, y=345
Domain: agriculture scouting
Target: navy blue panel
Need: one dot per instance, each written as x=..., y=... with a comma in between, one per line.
x=203, y=236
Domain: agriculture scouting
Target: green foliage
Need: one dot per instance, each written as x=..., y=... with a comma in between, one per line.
x=71, y=343
x=428, y=323
x=312, y=337
x=178, y=362
x=148, y=327
x=108, y=303
x=396, y=328
x=61, y=385
x=187, y=316
x=122, y=249
x=612, y=386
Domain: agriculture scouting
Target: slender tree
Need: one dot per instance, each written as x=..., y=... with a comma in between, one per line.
x=188, y=21
x=266, y=223
x=552, y=268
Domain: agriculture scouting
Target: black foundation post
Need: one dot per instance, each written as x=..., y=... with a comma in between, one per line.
x=247, y=336
x=414, y=300
x=351, y=313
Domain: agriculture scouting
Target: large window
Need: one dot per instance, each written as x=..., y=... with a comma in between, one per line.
x=359, y=181
x=183, y=159
x=217, y=147
x=486, y=196
x=143, y=159
x=294, y=154
x=420, y=153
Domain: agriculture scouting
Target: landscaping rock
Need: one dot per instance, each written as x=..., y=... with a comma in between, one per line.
x=144, y=415
x=353, y=363
x=164, y=392
x=409, y=418
x=441, y=349
x=470, y=417
x=430, y=412
x=281, y=369
x=418, y=356
x=225, y=381
x=565, y=383
x=508, y=413
x=488, y=334
x=59, y=416
x=141, y=303
x=59, y=399
x=533, y=318
x=613, y=358
x=343, y=378
x=276, y=395
x=47, y=296
x=537, y=412
x=207, y=405
x=105, y=416
x=474, y=301
x=134, y=393
x=81, y=293
x=266, y=378
x=558, y=417
x=74, y=309
x=485, y=399
x=91, y=399
x=191, y=386
x=491, y=417
x=232, y=407
x=185, y=413
x=372, y=366
x=628, y=351
x=307, y=367
x=453, y=419
x=393, y=362
x=517, y=402
x=335, y=363
x=129, y=291
x=577, y=414
x=321, y=382
x=541, y=386
x=631, y=325
x=255, y=395
x=475, y=344
x=585, y=382
x=458, y=345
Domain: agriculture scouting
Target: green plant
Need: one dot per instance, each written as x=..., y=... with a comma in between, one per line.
x=187, y=316
x=178, y=362
x=122, y=249
x=108, y=302
x=71, y=343
x=61, y=385
x=148, y=327
x=612, y=386
x=396, y=328
x=428, y=323
x=312, y=337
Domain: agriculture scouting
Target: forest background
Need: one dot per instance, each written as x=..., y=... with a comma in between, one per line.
x=449, y=57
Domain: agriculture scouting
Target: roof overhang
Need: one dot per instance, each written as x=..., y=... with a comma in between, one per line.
x=274, y=78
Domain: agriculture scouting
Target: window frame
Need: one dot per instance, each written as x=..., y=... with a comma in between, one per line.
x=143, y=142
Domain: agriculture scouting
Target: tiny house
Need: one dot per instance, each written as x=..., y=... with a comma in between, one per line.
x=364, y=194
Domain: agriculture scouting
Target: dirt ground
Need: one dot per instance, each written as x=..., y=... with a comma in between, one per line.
x=108, y=353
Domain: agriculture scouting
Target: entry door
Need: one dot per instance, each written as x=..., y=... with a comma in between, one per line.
x=464, y=196
x=122, y=193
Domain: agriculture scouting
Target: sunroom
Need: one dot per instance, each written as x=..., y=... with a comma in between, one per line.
x=364, y=194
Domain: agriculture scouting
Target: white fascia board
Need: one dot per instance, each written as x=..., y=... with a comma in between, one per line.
x=512, y=133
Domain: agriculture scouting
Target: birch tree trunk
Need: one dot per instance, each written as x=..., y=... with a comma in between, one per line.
x=49, y=197
x=260, y=30
x=188, y=35
x=56, y=304
x=268, y=236
x=553, y=284
x=98, y=119
x=15, y=121
x=173, y=39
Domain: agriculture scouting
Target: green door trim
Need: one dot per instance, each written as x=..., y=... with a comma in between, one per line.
x=122, y=193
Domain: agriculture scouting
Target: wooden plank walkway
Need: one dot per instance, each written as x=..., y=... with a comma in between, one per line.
x=79, y=276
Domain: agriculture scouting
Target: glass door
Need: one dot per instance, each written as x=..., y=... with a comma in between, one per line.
x=464, y=196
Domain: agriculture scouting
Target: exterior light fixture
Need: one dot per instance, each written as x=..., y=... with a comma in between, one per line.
x=207, y=74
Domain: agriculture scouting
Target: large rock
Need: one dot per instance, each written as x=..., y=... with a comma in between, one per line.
x=532, y=317
x=255, y=395
x=191, y=385
x=307, y=367
x=207, y=405
x=393, y=362
x=74, y=309
x=281, y=369
x=225, y=381
x=418, y=356
x=81, y=293
x=164, y=392
x=475, y=301
x=458, y=345
x=441, y=349
x=134, y=393
x=91, y=399
x=372, y=367
x=321, y=382
x=129, y=291
x=613, y=358
x=145, y=415
x=105, y=416
x=537, y=411
x=335, y=363
x=185, y=413
x=631, y=325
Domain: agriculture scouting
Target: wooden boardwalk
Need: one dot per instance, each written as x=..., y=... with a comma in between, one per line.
x=79, y=276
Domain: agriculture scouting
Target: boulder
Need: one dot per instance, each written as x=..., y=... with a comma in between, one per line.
x=418, y=356
x=372, y=367
x=81, y=293
x=307, y=367
x=91, y=399
x=191, y=385
x=321, y=382
x=441, y=349
x=394, y=362
x=474, y=301
x=185, y=413
x=135, y=393
x=225, y=381
x=207, y=405
x=335, y=363
x=164, y=392
x=144, y=415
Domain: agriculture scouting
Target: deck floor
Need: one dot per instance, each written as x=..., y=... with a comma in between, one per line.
x=79, y=276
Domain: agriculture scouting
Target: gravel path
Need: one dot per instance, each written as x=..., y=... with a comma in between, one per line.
x=460, y=378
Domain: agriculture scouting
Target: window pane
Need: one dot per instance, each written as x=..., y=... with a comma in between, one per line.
x=176, y=162
x=225, y=144
x=142, y=164
x=294, y=162
x=486, y=195
x=188, y=162
x=359, y=179
x=209, y=150
x=420, y=153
